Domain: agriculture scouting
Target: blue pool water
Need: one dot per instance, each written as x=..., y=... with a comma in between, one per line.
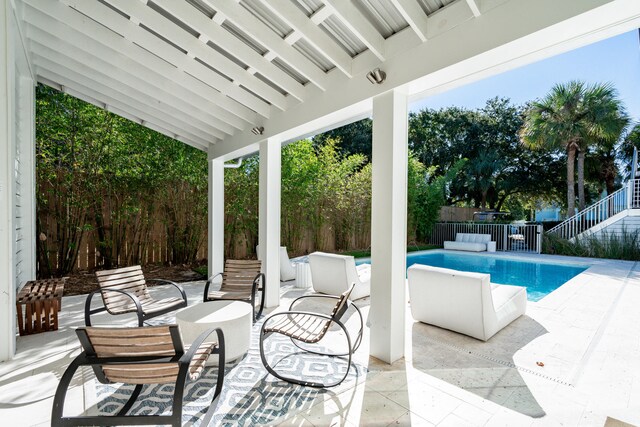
x=539, y=278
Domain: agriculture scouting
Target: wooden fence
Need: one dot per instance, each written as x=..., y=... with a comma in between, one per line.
x=156, y=249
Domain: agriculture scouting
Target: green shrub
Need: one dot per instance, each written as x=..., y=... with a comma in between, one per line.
x=623, y=246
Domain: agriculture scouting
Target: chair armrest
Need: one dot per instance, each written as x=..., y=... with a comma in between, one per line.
x=312, y=296
x=162, y=282
x=87, y=306
x=207, y=285
x=186, y=358
x=308, y=313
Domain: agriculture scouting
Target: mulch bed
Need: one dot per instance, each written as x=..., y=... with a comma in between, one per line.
x=83, y=282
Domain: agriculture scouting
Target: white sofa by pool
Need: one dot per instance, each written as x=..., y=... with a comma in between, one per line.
x=333, y=274
x=469, y=242
x=462, y=301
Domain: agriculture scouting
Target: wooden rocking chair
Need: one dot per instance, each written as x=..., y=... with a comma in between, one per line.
x=149, y=355
x=310, y=328
x=241, y=281
x=124, y=290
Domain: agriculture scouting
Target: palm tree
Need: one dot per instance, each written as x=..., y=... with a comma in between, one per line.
x=608, y=122
x=572, y=117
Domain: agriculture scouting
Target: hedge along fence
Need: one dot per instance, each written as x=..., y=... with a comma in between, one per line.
x=325, y=201
x=113, y=193
x=156, y=250
x=326, y=205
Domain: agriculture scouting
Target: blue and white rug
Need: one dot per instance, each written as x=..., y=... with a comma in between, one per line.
x=250, y=396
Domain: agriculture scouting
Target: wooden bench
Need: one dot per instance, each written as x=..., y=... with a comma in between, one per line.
x=42, y=300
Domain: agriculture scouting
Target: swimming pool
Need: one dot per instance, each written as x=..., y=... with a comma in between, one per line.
x=540, y=278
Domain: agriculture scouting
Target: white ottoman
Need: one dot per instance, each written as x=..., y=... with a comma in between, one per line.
x=233, y=317
x=303, y=275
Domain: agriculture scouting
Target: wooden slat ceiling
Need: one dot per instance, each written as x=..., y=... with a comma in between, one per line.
x=203, y=70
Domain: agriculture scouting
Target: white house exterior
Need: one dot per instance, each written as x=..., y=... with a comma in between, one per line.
x=207, y=72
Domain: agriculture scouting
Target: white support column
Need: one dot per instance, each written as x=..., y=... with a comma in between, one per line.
x=389, y=226
x=269, y=224
x=216, y=214
x=26, y=150
x=7, y=114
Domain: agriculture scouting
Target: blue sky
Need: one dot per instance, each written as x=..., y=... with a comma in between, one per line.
x=615, y=60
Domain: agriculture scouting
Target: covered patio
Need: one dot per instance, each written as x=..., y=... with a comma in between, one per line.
x=585, y=334
x=237, y=77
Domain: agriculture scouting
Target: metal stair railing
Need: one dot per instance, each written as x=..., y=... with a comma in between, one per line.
x=626, y=197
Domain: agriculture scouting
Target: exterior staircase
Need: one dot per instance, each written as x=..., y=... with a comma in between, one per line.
x=618, y=211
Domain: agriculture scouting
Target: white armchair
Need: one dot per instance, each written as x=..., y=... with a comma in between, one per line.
x=287, y=268
x=333, y=274
x=463, y=302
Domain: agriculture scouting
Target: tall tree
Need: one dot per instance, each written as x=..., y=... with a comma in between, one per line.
x=570, y=118
x=497, y=167
x=354, y=138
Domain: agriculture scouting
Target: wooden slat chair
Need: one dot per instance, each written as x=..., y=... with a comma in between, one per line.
x=241, y=281
x=310, y=328
x=149, y=355
x=124, y=290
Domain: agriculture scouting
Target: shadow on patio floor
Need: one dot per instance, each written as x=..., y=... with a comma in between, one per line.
x=486, y=369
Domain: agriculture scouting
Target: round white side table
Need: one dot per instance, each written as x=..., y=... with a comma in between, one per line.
x=233, y=317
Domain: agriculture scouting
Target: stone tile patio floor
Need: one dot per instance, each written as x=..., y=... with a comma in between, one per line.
x=586, y=334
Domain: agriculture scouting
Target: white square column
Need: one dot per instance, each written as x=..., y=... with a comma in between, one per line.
x=269, y=220
x=7, y=115
x=389, y=226
x=215, y=242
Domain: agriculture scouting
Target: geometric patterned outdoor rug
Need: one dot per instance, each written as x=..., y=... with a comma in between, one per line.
x=250, y=396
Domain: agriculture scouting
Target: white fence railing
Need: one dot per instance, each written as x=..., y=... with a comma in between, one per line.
x=635, y=194
x=508, y=237
x=626, y=197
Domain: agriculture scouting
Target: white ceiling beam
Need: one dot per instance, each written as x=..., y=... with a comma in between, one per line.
x=450, y=17
x=473, y=6
x=223, y=38
x=321, y=15
x=133, y=33
x=103, y=91
x=509, y=35
x=414, y=15
x=353, y=19
x=300, y=23
x=93, y=37
x=129, y=82
x=89, y=95
x=186, y=41
x=243, y=19
x=176, y=116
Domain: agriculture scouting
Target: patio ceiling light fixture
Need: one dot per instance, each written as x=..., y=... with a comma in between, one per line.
x=376, y=76
x=258, y=130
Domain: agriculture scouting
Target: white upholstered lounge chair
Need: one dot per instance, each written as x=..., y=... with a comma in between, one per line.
x=463, y=302
x=287, y=268
x=333, y=274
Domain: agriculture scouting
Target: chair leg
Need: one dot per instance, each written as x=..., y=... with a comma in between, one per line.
x=221, y=362
x=262, y=297
x=131, y=401
x=302, y=382
x=61, y=393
